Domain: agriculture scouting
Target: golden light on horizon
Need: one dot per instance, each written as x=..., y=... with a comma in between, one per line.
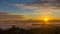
x=46, y=19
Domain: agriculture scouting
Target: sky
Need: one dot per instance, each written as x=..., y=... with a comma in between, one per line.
x=30, y=9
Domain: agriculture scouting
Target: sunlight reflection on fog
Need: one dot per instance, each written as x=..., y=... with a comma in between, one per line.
x=8, y=24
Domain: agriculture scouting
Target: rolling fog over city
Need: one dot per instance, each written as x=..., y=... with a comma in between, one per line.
x=28, y=23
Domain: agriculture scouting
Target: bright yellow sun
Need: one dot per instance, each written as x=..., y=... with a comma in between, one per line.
x=45, y=19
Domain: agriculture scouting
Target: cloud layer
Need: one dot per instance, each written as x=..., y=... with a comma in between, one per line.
x=7, y=16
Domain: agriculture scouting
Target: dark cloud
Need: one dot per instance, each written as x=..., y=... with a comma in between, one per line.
x=48, y=2
x=6, y=16
x=3, y=13
x=37, y=2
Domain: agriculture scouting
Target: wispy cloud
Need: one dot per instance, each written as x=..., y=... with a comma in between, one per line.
x=40, y=9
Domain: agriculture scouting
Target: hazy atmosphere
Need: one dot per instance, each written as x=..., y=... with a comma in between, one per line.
x=30, y=16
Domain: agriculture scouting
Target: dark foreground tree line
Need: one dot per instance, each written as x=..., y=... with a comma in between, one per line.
x=17, y=30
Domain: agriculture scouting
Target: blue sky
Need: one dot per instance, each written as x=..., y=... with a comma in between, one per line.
x=31, y=8
x=8, y=5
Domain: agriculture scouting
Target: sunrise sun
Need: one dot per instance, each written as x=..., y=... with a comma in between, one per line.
x=46, y=19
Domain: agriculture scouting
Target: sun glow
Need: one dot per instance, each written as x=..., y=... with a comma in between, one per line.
x=45, y=19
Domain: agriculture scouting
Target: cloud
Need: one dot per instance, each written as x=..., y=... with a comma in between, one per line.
x=2, y=13
x=41, y=10
x=54, y=4
x=49, y=2
x=6, y=16
x=40, y=7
